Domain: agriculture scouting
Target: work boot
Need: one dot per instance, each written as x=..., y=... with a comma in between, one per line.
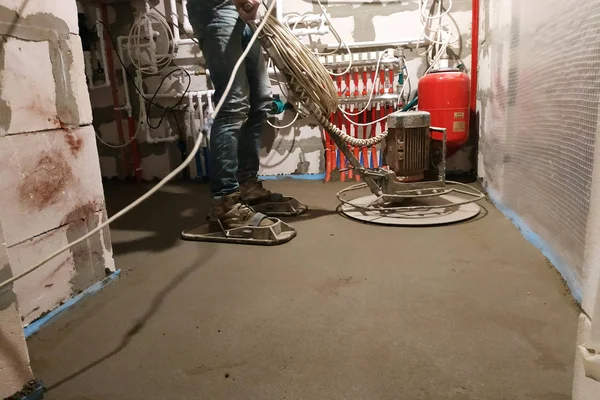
x=229, y=212
x=266, y=202
x=252, y=192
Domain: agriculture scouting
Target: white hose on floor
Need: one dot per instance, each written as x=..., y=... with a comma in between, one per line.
x=166, y=179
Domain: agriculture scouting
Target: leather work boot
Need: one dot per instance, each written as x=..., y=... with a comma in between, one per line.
x=229, y=212
x=268, y=203
x=252, y=193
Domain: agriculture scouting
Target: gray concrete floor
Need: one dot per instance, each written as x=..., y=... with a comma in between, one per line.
x=344, y=311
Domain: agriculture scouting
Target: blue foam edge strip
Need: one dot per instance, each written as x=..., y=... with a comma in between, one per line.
x=37, y=394
x=305, y=177
x=35, y=326
x=567, y=273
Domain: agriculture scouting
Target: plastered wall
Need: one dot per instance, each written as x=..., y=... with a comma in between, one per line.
x=294, y=150
x=50, y=182
x=539, y=157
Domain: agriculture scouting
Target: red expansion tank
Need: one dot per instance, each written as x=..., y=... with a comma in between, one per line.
x=445, y=94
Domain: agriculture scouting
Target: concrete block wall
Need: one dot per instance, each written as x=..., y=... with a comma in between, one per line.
x=50, y=182
x=15, y=371
x=298, y=149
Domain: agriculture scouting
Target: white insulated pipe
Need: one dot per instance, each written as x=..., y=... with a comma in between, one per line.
x=175, y=21
x=187, y=27
x=120, y=40
x=167, y=139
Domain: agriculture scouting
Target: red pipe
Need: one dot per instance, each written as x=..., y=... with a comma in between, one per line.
x=329, y=150
x=474, y=61
x=351, y=128
x=348, y=84
x=373, y=82
x=365, y=80
x=381, y=81
x=365, y=150
x=391, y=72
x=374, y=161
x=113, y=86
x=356, y=149
x=356, y=83
x=342, y=158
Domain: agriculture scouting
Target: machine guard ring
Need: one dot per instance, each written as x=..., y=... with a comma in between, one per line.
x=470, y=191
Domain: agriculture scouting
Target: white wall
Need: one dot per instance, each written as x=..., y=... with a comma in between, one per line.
x=50, y=183
x=538, y=154
x=284, y=150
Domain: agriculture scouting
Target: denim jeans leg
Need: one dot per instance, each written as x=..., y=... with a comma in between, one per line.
x=260, y=103
x=222, y=31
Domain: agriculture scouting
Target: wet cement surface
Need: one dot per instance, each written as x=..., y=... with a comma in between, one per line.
x=344, y=311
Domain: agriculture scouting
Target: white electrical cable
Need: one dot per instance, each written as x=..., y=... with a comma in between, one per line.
x=269, y=65
x=443, y=35
x=176, y=26
x=166, y=179
x=372, y=87
x=438, y=57
x=309, y=81
x=340, y=41
x=336, y=35
x=424, y=5
x=164, y=56
x=286, y=125
x=302, y=67
x=119, y=146
x=367, y=123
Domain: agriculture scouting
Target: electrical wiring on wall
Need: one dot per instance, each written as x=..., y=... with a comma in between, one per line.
x=150, y=101
x=442, y=36
x=159, y=58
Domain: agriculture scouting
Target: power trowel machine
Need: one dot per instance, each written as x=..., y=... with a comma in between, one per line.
x=411, y=190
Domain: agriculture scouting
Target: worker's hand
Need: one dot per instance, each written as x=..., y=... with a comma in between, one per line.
x=247, y=9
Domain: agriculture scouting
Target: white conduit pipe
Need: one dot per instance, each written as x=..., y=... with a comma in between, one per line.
x=204, y=171
x=120, y=40
x=187, y=27
x=175, y=21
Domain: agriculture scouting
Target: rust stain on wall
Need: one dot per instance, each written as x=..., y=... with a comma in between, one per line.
x=44, y=184
x=75, y=143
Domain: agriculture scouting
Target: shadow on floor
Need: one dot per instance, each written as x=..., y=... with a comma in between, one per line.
x=155, y=305
x=172, y=209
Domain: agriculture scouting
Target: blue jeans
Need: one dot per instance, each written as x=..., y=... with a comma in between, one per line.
x=235, y=134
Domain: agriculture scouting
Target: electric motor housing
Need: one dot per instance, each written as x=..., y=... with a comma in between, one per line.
x=407, y=147
x=445, y=94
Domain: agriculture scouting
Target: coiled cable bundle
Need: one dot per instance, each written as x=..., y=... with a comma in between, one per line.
x=308, y=80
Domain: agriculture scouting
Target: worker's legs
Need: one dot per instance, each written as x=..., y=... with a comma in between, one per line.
x=260, y=103
x=235, y=134
x=221, y=32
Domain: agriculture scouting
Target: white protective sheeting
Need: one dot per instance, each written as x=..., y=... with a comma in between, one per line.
x=539, y=94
